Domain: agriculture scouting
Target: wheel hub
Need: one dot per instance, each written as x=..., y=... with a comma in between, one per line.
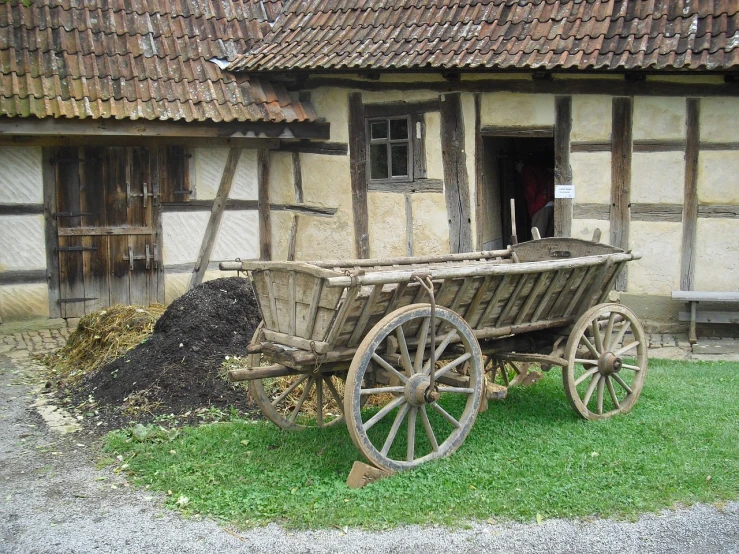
x=609, y=363
x=418, y=392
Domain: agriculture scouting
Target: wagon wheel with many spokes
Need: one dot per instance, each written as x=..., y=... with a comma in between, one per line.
x=507, y=372
x=606, y=362
x=409, y=420
x=295, y=402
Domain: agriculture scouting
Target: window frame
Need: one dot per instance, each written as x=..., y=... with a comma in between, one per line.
x=389, y=142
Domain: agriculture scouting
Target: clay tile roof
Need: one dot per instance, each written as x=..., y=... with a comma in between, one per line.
x=131, y=59
x=530, y=34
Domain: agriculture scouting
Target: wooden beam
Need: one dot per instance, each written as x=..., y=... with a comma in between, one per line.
x=417, y=185
x=456, y=183
x=216, y=215
x=533, y=131
x=656, y=212
x=621, y=139
x=265, y=223
x=23, y=277
x=562, y=168
x=136, y=140
x=235, y=205
x=690, y=194
x=310, y=147
x=358, y=169
x=479, y=173
x=139, y=128
x=390, y=109
x=726, y=211
x=592, y=211
x=21, y=209
x=590, y=146
x=51, y=239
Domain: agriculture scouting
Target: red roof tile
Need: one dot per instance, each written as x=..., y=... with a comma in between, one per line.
x=462, y=34
x=136, y=59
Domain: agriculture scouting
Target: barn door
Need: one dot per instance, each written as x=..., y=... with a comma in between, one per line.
x=107, y=214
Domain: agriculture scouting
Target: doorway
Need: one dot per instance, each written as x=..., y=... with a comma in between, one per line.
x=522, y=169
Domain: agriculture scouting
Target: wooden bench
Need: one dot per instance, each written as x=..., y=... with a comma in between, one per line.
x=705, y=316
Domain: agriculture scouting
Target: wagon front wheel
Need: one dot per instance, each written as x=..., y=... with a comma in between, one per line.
x=407, y=421
x=606, y=362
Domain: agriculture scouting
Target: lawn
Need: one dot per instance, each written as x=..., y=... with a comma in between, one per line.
x=528, y=456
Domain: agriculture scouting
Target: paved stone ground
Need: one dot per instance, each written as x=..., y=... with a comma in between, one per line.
x=52, y=499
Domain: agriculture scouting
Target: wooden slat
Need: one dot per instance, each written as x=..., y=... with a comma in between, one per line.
x=291, y=303
x=117, y=230
x=492, y=303
x=273, y=315
x=482, y=290
x=265, y=224
x=580, y=290
x=621, y=139
x=456, y=184
x=574, y=275
x=338, y=322
x=600, y=282
x=314, y=302
x=461, y=293
x=690, y=195
x=139, y=213
x=553, y=284
x=369, y=304
x=358, y=172
x=297, y=342
x=530, y=131
x=562, y=169
x=709, y=316
x=617, y=267
x=395, y=299
x=531, y=298
x=93, y=201
x=157, y=273
x=117, y=216
x=522, y=280
x=705, y=296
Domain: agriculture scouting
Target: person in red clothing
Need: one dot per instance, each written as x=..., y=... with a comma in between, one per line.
x=538, y=185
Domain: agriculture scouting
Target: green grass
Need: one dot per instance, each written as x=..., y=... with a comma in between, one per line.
x=529, y=455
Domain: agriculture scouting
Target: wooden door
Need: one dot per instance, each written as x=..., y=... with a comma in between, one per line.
x=107, y=216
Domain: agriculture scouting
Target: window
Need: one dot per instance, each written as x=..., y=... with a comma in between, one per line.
x=390, y=149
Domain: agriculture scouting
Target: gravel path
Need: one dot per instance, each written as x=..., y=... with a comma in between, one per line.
x=52, y=499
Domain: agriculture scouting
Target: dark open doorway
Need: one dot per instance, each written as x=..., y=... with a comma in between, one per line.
x=521, y=168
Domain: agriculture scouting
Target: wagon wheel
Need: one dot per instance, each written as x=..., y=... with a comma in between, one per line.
x=438, y=419
x=606, y=362
x=507, y=373
x=297, y=402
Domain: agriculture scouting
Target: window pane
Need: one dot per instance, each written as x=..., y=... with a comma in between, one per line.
x=400, y=160
x=398, y=129
x=379, y=129
x=378, y=161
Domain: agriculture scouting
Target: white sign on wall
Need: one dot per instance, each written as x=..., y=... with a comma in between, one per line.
x=564, y=191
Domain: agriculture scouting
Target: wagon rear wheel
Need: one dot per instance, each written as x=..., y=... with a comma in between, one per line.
x=406, y=422
x=297, y=402
x=606, y=362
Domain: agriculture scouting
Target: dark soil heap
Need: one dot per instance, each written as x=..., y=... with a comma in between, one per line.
x=178, y=369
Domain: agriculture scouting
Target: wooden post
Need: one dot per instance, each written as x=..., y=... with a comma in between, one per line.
x=216, y=214
x=621, y=146
x=690, y=201
x=479, y=174
x=562, y=169
x=265, y=225
x=358, y=167
x=48, y=172
x=298, y=186
x=456, y=184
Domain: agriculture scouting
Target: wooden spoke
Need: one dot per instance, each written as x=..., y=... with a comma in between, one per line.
x=400, y=385
x=585, y=375
x=421, y=348
x=609, y=331
x=446, y=415
x=405, y=356
x=451, y=365
x=591, y=389
x=429, y=430
x=623, y=350
x=335, y=394
x=608, y=324
x=391, y=369
x=621, y=382
x=612, y=392
x=389, y=407
x=394, y=429
x=289, y=389
x=303, y=396
x=319, y=401
x=504, y=373
x=411, y=449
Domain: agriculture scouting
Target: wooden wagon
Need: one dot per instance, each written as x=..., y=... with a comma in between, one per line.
x=406, y=350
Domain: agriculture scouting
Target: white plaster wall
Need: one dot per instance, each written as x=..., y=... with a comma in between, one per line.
x=719, y=119
x=430, y=224
x=718, y=177
x=510, y=109
x=326, y=182
x=591, y=117
x=175, y=285
x=22, y=243
x=24, y=301
x=387, y=224
x=584, y=229
x=238, y=236
x=333, y=104
x=658, y=271
x=591, y=175
x=659, y=118
x=281, y=223
x=657, y=177
x=434, y=165
x=717, y=254
x=209, y=165
x=281, y=178
x=20, y=175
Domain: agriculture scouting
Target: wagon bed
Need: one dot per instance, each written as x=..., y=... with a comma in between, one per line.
x=503, y=308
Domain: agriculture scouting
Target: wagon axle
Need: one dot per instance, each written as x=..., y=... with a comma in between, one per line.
x=418, y=390
x=609, y=363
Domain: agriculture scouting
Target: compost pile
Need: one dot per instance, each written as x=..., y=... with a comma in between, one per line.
x=178, y=369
